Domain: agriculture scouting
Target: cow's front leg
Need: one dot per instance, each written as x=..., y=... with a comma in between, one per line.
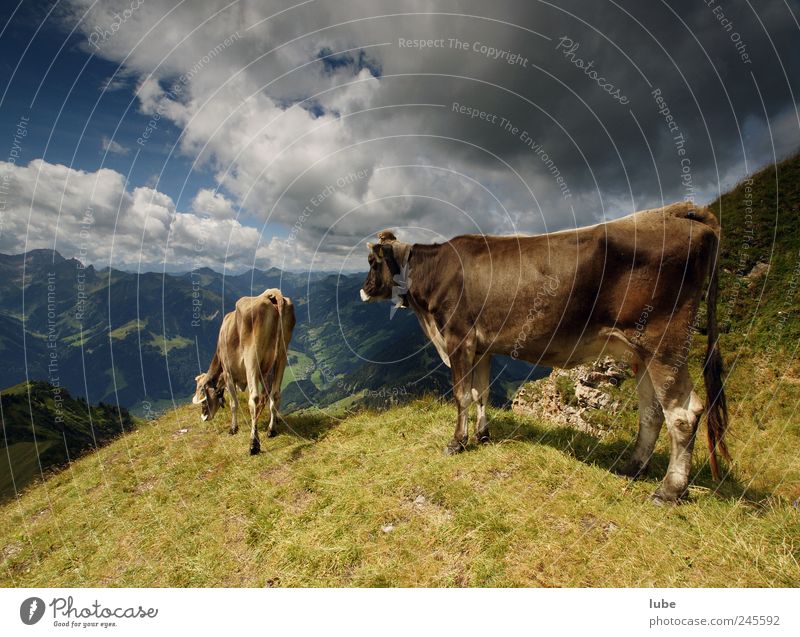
x=462, y=356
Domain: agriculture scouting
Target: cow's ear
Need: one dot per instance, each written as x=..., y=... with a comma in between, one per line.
x=370, y=246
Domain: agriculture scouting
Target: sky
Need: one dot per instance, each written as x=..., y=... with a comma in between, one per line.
x=159, y=135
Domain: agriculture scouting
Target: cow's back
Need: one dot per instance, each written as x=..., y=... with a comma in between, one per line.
x=557, y=288
x=261, y=318
x=250, y=333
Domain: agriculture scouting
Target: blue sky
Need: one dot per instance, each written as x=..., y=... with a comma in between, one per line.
x=59, y=85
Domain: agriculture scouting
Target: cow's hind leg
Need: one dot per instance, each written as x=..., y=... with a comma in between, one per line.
x=651, y=417
x=682, y=410
x=275, y=394
x=234, y=400
x=480, y=393
x=255, y=409
x=462, y=355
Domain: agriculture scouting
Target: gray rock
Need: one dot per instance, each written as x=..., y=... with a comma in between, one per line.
x=593, y=384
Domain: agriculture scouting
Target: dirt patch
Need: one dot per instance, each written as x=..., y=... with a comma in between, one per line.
x=279, y=474
x=11, y=550
x=606, y=528
x=419, y=504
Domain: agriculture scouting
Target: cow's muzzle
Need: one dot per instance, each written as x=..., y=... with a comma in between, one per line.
x=364, y=296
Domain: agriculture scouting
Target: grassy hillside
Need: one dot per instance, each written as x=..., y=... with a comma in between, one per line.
x=760, y=314
x=369, y=499
x=44, y=427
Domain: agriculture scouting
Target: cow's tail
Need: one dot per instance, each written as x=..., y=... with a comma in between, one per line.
x=716, y=405
x=278, y=301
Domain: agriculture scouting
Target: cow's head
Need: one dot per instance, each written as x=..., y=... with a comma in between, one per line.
x=209, y=396
x=382, y=268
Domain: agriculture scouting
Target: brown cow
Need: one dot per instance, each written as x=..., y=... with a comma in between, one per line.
x=629, y=288
x=251, y=353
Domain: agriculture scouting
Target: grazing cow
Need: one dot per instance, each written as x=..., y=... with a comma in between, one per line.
x=629, y=288
x=251, y=353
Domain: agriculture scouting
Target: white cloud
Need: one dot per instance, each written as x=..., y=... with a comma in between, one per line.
x=111, y=146
x=93, y=217
x=212, y=203
x=115, y=82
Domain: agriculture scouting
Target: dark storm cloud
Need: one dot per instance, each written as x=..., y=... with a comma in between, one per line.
x=716, y=68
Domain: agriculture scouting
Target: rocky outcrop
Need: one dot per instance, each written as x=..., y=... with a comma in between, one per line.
x=759, y=270
x=585, y=397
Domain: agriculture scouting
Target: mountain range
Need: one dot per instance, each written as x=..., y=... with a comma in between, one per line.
x=138, y=340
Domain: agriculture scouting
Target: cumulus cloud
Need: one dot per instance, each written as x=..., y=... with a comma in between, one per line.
x=215, y=204
x=92, y=216
x=501, y=119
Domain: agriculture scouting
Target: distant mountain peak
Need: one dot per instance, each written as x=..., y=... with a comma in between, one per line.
x=203, y=270
x=37, y=255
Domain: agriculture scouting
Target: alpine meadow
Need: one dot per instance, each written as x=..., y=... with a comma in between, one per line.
x=398, y=317
x=358, y=495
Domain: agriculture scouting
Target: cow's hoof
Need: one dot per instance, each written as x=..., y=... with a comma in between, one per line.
x=484, y=437
x=255, y=447
x=454, y=447
x=662, y=497
x=633, y=470
x=271, y=433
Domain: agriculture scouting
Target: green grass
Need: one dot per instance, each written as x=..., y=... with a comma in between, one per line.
x=371, y=501
x=566, y=390
x=167, y=345
x=297, y=367
x=131, y=326
x=31, y=422
x=23, y=457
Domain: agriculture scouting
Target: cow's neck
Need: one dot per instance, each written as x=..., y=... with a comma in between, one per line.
x=214, y=370
x=422, y=262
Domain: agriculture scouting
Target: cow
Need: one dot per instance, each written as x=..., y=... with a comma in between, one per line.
x=251, y=353
x=629, y=288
